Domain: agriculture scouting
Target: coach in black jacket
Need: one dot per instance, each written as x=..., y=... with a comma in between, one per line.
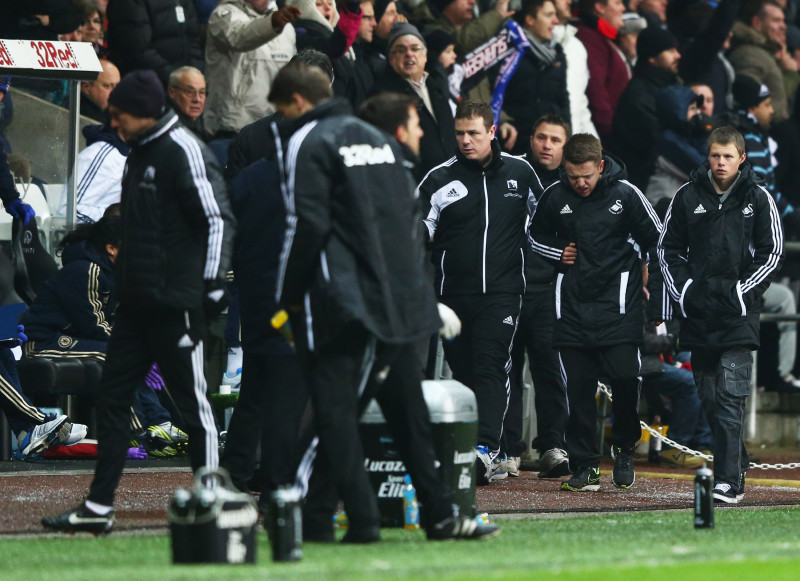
x=596, y=225
x=479, y=206
x=177, y=232
x=722, y=245
x=352, y=261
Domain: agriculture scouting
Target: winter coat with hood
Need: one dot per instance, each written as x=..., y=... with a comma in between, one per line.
x=680, y=146
x=599, y=299
x=718, y=258
x=352, y=252
x=753, y=54
x=78, y=301
x=100, y=168
x=161, y=35
x=243, y=54
x=636, y=120
x=608, y=71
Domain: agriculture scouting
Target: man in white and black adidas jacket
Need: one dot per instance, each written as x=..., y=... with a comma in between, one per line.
x=721, y=247
x=477, y=222
x=596, y=226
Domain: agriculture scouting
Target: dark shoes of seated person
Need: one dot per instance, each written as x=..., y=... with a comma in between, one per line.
x=362, y=536
x=80, y=519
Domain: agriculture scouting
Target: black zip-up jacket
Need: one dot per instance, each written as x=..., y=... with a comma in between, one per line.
x=177, y=225
x=599, y=299
x=718, y=259
x=352, y=251
x=540, y=273
x=477, y=218
x=78, y=301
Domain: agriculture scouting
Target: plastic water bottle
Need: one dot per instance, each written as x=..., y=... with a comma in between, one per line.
x=340, y=520
x=703, y=499
x=654, y=453
x=410, y=506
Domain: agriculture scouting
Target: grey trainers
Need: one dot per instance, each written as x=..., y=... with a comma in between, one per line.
x=513, y=464
x=554, y=463
x=70, y=434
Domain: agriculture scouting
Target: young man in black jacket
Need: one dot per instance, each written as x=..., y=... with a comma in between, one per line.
x=352, y=263
x=177, y=233
x=535, y=331
x=479, y=204
x=595, y=225
x=721, y=247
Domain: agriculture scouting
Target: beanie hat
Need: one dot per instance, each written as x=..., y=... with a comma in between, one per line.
x=380, y=7
x=437, y=41
x=653, y=41
x=139, y=93
x=402, y=29
x=748, y=92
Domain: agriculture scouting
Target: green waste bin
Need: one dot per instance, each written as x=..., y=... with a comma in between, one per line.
x=454, y=426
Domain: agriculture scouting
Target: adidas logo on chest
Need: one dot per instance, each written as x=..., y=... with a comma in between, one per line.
x=700, y=209
x=566, y=209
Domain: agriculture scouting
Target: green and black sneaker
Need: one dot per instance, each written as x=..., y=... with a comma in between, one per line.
x=586, y=479
x=623, y=475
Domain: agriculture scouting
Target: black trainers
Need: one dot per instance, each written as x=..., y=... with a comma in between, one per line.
x=623, y=475
x=81, y=519
x=585, y=479
x=461, y=527
x=723, y=492
x=740, y=495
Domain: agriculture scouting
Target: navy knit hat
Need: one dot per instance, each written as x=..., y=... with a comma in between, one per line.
x=437, y=40
x=380, y=7
x=140, y=94
x=653, y=41
x=402, y=29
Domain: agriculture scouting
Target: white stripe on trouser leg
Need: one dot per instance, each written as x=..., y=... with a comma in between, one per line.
x=493, y=454
x=204, y=408
x=564, y=379
x=306, y=467
x=7, y=390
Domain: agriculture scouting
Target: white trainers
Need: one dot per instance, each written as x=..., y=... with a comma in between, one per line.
x=488, y=470
x=35, y=442
x=513, y=463
x=235, y=380
x=70, y=434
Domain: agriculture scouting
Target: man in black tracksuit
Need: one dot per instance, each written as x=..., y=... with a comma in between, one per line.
x=479, y=207
x=535, y=331
x=721, y=247
x=596, y=225
x=177, y=231
x=352, y=262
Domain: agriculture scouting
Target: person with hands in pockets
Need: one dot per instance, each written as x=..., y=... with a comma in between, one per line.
x=721, y=247
x=597, y=226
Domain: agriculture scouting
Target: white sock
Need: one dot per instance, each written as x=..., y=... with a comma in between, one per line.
x=234, y=360
x=100, y=509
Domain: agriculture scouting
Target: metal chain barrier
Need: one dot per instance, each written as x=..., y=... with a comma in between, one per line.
x=605, y=390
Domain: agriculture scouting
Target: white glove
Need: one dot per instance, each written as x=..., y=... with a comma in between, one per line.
x=451, y=324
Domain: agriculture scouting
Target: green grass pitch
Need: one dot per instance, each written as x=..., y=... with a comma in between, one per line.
x=746, y=544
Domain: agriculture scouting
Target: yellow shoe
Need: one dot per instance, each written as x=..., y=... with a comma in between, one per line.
x=677, y=459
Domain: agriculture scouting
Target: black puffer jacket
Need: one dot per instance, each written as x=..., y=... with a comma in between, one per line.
x=353, y=252
x=718, y=259
x=599, y=298
x=476, y=217
x=78, y=301
x=162, y=35
x=177, y=225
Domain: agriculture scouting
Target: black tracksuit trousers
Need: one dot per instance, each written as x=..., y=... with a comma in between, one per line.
x=480, y=356
x=617, y=365
x=173, y=339
x=272, y=399
x=535, y=335
x=343, y=376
